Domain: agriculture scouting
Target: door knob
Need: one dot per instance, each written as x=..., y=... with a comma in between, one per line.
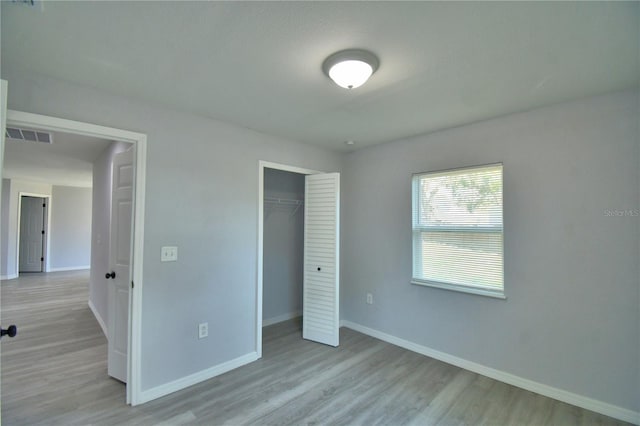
x=11, y=331
x=319, y=269
x=110, y=275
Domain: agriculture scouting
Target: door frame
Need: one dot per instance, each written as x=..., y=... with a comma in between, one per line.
x=139, y=141
x=46, y=250
x=261, y=166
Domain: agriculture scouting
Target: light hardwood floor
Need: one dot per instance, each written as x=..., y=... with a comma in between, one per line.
x=55, y=373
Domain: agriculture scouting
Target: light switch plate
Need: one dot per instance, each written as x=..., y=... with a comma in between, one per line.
x=169, y=254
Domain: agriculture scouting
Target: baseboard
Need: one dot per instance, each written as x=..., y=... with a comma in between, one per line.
x=69, y=268
x=8, y=277
x=539, y=388
x=201, y=376
x=280, y=318
x=99, y=319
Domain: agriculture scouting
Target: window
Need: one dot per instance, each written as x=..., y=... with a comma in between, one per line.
x=457, y=230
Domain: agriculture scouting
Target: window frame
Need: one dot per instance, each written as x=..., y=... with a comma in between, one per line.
x=418, y=230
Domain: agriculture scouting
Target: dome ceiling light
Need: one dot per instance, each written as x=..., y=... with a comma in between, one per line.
x=350, y=68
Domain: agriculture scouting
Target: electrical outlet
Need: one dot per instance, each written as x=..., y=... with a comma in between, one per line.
x=203, y=330
x=169, y=254
x=369, y=299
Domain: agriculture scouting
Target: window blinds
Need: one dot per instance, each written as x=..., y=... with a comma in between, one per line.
x=458, y=229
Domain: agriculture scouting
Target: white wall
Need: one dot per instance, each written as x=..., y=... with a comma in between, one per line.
x=4, y=226
x=70, y=228
x=16, y=187
x=283, y=247
x=571, y=319
x=101, y=231
x=201, y=192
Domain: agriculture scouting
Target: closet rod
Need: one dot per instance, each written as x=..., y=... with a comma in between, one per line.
x=283, y=201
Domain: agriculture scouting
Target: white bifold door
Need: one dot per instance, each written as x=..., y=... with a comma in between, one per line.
x=320, y=311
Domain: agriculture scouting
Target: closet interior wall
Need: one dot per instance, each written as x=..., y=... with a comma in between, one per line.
x=283, y=245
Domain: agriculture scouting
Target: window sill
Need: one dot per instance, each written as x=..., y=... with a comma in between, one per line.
x=496, y=294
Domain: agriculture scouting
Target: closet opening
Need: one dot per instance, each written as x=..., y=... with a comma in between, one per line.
x=298, y=251
x=283, y=246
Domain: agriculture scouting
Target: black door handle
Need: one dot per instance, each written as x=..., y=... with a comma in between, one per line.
x=11, y=331
x=319, y=269
x=110, y=275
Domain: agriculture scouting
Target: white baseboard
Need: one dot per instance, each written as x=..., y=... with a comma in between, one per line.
x=280, y=318
x=539, y=388
x=99, y=319
x=70, y=268
x=8, y=277
x=201, y=376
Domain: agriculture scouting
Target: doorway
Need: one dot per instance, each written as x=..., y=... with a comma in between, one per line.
x=33, y=233
x=133, y=301
x=283, y=246
x=320, y=247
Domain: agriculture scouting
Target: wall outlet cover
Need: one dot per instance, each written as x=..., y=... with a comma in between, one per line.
x=203, y=330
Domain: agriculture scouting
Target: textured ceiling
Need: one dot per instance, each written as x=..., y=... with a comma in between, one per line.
x=68, y=161
x=258, y=65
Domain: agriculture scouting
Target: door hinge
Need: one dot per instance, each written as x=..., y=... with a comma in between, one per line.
x=43, y=232
x=42, y=259
x=44, y=205
x=131, y=284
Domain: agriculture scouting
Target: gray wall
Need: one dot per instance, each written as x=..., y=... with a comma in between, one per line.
x=70, y=227
x=283, y=246
x=571, y=317
x=571, y=271
x=11, y=236
x=201, y=195
x=100, y=229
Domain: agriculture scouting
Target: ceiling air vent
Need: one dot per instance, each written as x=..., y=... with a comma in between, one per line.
x=28, y=135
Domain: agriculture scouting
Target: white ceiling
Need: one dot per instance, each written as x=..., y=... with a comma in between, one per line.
x=68, y=161
x=258, y=64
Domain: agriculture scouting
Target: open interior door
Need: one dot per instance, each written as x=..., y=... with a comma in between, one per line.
x=120, y=262
x=32, y=224
x=3, y=123
x=321, y=290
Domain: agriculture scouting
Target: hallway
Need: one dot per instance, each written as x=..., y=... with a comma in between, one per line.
x=58, y=360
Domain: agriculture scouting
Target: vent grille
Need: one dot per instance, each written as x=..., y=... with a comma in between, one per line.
x=28, y=135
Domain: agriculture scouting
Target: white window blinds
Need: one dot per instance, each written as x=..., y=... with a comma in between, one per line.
x=457, y=230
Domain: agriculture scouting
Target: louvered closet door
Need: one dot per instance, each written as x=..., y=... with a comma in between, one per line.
x=320, y=315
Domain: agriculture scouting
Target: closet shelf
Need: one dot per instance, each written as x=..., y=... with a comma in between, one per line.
x=286, y=202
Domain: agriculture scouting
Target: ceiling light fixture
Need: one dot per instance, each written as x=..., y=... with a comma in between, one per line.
x=350, y=68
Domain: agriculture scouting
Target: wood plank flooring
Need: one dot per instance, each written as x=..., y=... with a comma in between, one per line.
x=55, y=373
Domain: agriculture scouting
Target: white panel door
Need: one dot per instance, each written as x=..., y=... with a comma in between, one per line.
x=320, y=309
x=120, y=262
x=3, y=124
x=32, y=220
